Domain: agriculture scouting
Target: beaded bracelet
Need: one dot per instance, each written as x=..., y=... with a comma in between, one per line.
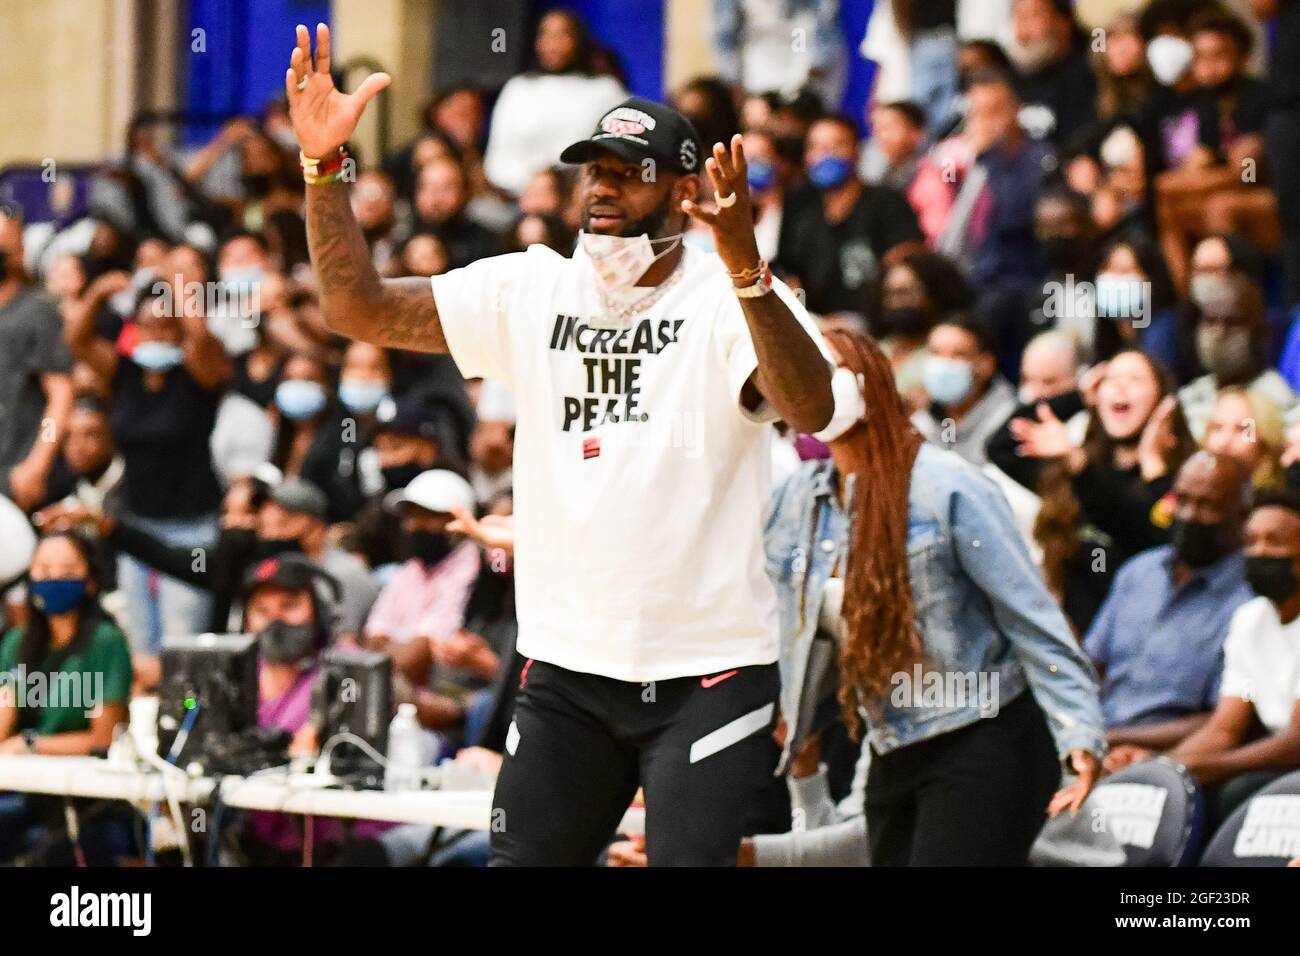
x=318, y=171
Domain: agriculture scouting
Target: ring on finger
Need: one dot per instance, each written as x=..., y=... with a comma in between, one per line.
x=302, y=82
x=726, y=202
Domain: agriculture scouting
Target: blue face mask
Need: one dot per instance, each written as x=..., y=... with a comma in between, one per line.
x=58, y=595
x=761, y=175
x=157, y=356
x=299, y=399
x=947, y=381
x=361, y=395
x=830, y=171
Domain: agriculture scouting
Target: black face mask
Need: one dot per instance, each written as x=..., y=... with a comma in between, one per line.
x=399, y=476
x=274, y=547
x=281, y=643
x=910, y=322
x=428, y=547
x=1199, y=544
x=1293, y=477
x=1271, y=577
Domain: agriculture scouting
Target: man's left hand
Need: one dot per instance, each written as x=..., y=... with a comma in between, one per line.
x=732, y=225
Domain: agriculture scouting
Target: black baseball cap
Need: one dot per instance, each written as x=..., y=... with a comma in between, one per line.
x=408, y=416
x=639, y=129
x=291, y=571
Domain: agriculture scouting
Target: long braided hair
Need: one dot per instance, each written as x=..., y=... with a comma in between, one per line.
x=881, y=638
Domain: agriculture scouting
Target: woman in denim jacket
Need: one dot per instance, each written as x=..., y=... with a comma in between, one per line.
x=974, y=692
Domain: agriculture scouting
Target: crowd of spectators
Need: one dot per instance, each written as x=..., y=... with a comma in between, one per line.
x=1079, y=248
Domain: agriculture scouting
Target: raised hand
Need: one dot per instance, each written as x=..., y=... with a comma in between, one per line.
x=733, y=223
x=323, y=118
x=1045, y=438
x=1158, y=440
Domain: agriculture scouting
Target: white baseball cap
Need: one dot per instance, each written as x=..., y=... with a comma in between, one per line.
x=437, y=490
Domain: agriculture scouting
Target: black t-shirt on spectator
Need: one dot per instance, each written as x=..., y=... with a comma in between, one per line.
x=1248, y=114
x=31, y=345
x=838, y=264
x=163, y=437
x=1067, y=90
x=466, y=240
x=1284, y=70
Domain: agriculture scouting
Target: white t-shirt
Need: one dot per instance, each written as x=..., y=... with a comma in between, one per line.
x=1261, y=662
x=640, y=480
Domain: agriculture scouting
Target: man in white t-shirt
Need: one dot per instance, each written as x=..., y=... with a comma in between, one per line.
x=1253, y=736
x=646, y=374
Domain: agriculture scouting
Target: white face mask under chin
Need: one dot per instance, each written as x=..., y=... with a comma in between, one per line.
x=619, y=263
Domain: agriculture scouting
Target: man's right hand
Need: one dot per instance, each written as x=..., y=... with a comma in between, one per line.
x=323, y=118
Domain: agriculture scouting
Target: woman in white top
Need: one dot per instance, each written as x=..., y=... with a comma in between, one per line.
x=552, y=105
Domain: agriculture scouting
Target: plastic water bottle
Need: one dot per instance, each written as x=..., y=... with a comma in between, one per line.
x=405, y=751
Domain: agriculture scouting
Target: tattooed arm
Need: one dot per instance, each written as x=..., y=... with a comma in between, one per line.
x=393, y=312
x=357, y=303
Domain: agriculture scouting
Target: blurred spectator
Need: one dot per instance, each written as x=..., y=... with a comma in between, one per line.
x=1248, y=428
x=424, y=601
x=1102, y=498
x=35, y=391
x=1133, y=302
x=1261, y=661
x=164, y=397
x=706, y=102
x=545, y=109
x=441, y=195
x=1214, y=186
x=968, y=398
x=374, y=204
x=68, y=641
x=838, y=232
x=990, y=228
x=492, y=445
x=767, y=173
x=753, y=44
x=1049, y=373
x=1056, y=82
x=1232, y=344
x=89, y=470
x=920, y=290
x=1157, y=639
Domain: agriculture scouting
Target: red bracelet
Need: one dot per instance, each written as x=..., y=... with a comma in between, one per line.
x=328, y=170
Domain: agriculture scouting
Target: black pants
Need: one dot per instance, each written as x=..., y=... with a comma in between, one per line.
x=976, y=796
x=580, y=745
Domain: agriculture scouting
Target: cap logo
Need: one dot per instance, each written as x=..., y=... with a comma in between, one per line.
x=687, y=153
x=267, y=569
x=626, y=121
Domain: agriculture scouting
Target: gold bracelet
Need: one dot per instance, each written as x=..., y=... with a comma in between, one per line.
x=750, y=274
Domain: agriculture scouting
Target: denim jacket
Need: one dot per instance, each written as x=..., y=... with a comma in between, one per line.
x=982, y=609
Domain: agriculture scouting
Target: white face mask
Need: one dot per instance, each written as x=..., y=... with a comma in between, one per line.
x=620, y=262
x=1169, y=57
x=846, y=389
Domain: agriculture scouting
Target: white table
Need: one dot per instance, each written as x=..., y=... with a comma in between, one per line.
x=300, y=794
x=459, y=809
x=96, y=778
